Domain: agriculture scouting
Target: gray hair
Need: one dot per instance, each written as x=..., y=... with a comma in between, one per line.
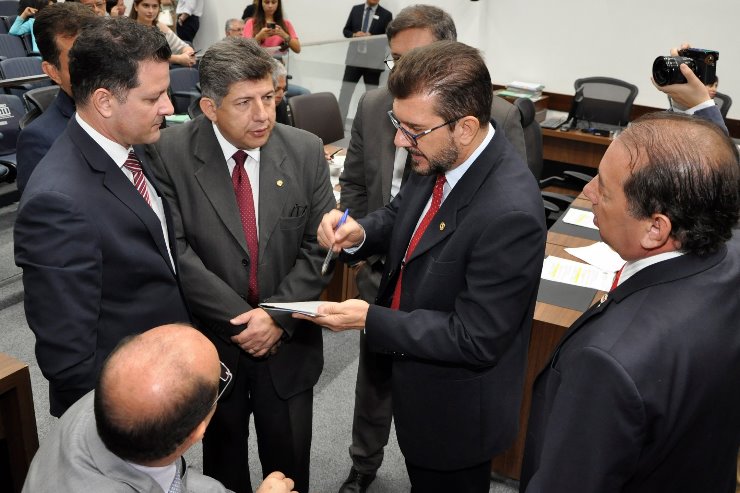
x=227, y=26
x=229, y=61
x=424, y=17
x=278, y=71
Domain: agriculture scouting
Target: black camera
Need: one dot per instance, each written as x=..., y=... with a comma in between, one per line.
x=702, y=62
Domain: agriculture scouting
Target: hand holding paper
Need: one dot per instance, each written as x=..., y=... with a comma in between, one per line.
x=350, y=314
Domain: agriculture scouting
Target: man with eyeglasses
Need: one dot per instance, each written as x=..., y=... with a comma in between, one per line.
x=373, y=172
x=154, y=399
x=464, y=243
x=234, y=28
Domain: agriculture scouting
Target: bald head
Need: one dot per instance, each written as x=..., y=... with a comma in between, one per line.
x=154, y=391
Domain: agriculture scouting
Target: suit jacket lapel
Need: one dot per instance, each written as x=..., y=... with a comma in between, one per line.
x=212, y=174
x=116, y=182
x=274, y=187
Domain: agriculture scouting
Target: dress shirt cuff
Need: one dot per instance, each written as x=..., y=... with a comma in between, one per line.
x=353, y=250
x=706, y=104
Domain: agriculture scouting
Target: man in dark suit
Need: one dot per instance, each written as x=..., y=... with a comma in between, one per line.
x=55, y=29
x=464, y=242
x=641, y=394
x=248, y=196
x=364, y=58
x=92, y=234
x=373, y=172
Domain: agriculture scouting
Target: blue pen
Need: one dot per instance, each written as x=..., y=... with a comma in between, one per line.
x=330, y=253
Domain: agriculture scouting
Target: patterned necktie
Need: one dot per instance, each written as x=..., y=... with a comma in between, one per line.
x=245, y=200
x=366, y=19
x=436, y=203
x=134, y=166
x=615, y=282
x=176, y=486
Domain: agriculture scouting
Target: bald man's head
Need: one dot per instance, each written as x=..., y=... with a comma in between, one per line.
x=155, y=391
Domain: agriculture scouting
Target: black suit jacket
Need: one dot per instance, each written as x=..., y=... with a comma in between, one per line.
x=35, y=140
x=213, y=255
x=377, y=26
x=460, y=337
x=95, y=263
x=641, y=396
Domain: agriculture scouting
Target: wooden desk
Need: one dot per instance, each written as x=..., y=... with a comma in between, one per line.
x=574, y=147
x=548, y=327
x=18, y=436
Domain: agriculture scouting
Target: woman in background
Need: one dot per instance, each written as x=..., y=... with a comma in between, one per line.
x=249, y=10
x=147, y=12
x=271, y=30
x=23, y=23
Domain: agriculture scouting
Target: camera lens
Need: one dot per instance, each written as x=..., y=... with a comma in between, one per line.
x=666, y=69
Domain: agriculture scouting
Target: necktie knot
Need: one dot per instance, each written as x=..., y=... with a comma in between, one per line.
x=133, y=164
x=240, y=157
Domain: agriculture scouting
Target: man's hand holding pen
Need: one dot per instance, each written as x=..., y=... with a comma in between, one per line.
x=346, y=236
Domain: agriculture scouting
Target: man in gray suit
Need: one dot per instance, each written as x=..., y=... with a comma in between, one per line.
x=247, y=196
x=372, y=176
x=128, y=434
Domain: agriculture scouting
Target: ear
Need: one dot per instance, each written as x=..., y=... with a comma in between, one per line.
x=466, y=129
x=104, y=102
x=53, y=72
x=658, y=233
x=208, y=107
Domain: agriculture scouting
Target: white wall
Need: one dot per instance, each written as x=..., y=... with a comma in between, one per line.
x=552, y=42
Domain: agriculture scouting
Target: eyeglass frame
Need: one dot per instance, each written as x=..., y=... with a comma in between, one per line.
x=391, y=61
x=413, y=139
x=227, y=381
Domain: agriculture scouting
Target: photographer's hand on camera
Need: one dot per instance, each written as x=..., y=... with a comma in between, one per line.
x=688, y=95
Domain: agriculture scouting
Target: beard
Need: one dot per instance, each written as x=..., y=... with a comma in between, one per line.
x=441, y=162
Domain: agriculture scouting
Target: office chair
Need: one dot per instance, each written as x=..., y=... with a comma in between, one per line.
x=194, y=109
x=723, y=102
x=554, y=203
x=40, y=97
x=12, y=110
x=604, y=100
x=184, y=88
x=8, y=7
x=319, y=114
x=22, y=67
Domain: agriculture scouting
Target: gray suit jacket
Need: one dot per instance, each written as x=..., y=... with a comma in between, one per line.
x=368, y=168
x=213, y=258
x=73, y=458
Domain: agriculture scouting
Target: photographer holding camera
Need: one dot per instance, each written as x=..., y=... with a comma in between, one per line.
x=687, y=92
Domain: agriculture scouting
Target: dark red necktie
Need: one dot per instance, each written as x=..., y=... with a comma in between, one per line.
x=426, y=220
x=133, y=164
x=245, y=200
x=615, y=282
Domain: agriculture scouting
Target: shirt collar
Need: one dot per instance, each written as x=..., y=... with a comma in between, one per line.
x=633, y=267
x=116, y=151
x=454, y=175
x=229, y=149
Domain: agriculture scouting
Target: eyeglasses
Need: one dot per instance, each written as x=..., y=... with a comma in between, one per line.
x=224, y=381
x=390, y=62
x=413, y=138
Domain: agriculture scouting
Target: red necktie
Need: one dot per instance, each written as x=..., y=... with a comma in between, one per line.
x=426, y=220
x=245, y=201
x=615, y=282
x=133, y=164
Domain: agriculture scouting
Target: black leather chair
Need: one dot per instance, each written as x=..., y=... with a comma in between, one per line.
x=723, y=102
x=604, y=100
x=8, y=7
x=11, y=47
x=12, y=110
x=184, y=88
x=22, y=67
x=319, y=114
x=40, y=97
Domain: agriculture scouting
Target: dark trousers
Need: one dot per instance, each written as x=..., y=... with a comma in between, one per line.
x=352, y=76
x=188, y=29
x=283, y=429
x=475, y=479
x=371, y=424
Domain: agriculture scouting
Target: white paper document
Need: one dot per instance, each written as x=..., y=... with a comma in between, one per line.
x=599, y=255
x=579, y=217
x=305, y=307
x=576, y=273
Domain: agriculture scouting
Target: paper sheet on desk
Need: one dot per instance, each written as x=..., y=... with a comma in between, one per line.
x=576, y=273
x=305, y=307
x=600, y=255
x=580, y=217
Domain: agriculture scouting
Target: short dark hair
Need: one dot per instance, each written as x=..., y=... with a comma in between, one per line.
x=155, y=438
x=108, y=53
x=424, y=17
x=453, y=72
x=689, y=170
x=229, y=61
x=61, y=19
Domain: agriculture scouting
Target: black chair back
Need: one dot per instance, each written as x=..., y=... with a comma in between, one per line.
x=604, y=100
x=319, y=114
x=723, y=102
